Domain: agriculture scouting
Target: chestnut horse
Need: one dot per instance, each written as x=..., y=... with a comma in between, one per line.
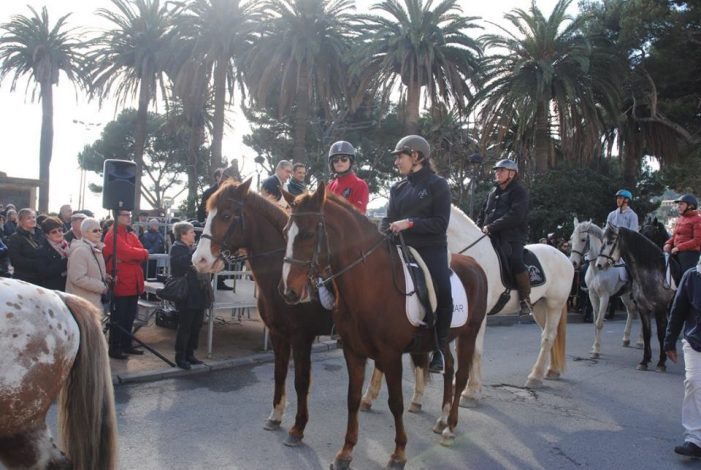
x=51, y=345
x=327, y=236
x=239, y=218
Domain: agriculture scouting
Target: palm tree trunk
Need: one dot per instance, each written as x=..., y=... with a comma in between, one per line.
x=46, y=144
x=301, y=118
x=196, y=133
x=140, y=137
x=411, y=123
x=219, y=104
x=542, y=138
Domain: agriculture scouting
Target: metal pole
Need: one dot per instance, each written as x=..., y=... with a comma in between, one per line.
x=210, y=323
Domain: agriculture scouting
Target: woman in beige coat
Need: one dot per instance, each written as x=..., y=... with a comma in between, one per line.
x=87, y=276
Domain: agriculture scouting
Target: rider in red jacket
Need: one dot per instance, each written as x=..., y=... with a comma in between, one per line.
x=685, y=243
x=128, y=284
x=346, y=183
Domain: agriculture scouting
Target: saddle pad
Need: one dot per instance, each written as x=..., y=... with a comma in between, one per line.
x=415, y=309
x=533, y=266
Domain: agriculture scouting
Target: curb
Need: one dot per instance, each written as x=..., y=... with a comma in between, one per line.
x=209, y=366
x=265, y=357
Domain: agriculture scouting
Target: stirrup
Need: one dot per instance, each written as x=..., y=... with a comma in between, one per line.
x=526, y=308
x=436, y=370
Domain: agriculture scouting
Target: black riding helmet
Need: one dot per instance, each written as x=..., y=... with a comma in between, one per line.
x=413, y=143
x=689, y=199
x=341, y=148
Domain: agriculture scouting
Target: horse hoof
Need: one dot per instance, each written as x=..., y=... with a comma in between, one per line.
x=448, y=437
x=340, y=465
x=414, y=407
x=642, y=367
x=395, y=464
x=365, y=406
x=439, y=426
x=552, y=375
x=533, y=383
x=293, y=441
x=469, y=402
x=595, y=355
x=626, y=343
x=271, y=425
x=661, y=368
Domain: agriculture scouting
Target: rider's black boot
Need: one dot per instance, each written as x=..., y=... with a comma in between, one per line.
x=444, y=318
x=523, y=285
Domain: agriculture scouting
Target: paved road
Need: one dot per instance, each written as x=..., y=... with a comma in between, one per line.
x=602, y=415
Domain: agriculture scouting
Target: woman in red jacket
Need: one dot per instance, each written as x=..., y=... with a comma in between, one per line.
x=685, y=243
x=128, y=284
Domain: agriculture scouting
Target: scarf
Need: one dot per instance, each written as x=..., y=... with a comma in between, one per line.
x=60, y=247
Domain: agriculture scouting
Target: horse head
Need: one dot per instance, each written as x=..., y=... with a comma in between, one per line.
x=610, y=251
x=579, y=243
x=224, y=230
x=655, y=231
x=307, y=245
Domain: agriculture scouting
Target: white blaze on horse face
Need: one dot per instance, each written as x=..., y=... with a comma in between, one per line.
x=289, y=252
x=36, y=329
x=202, y=258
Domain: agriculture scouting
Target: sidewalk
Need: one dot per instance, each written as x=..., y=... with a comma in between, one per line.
x=238, y=339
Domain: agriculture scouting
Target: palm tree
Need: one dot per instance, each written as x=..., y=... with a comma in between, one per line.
x=423, y=47
x=300, y=59
x=132, y=59
x=544, y=75
x=29, y=45
x=220, y=31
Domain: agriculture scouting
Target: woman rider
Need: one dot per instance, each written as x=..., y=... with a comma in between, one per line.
x=419, y=206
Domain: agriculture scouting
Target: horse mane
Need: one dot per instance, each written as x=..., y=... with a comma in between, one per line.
x=271, y=211
x=592, y=228
x=456, y=211
x=343, y=202
x=639, y=247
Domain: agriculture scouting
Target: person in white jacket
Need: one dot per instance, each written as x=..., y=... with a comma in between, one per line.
x=87, y=276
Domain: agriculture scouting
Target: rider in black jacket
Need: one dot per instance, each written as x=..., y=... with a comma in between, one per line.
x=420, y=207
x=504, y=217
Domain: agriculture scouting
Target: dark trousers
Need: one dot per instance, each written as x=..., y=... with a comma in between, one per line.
x=188, y=334
x=436, y=259
x=687, y=259
x=513, y=250
x=124, y=314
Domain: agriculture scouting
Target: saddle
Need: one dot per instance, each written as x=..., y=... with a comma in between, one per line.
x=533, y=266
x=416, y=271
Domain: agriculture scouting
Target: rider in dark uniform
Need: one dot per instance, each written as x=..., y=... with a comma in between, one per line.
x=419, y=205
x=504, y=218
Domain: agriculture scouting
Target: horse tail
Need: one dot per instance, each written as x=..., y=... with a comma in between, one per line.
x=558, y=358
x=87, y=422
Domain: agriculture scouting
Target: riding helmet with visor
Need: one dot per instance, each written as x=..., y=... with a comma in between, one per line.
x=413, y=143
x=341, y=148
x=624, y=193
x=689, y=199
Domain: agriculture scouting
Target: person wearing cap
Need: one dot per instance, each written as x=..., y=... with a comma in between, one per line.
x=685, y=243
x=74, y=233
x=53, y=255
x=419, y=207
x=345, y=182
x=504, y=218
x=623, y=215
x=272, y=186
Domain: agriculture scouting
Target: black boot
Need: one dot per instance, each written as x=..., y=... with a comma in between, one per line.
x=181, y=362
x=192, y=359
x=523, y=285
x=443, y=320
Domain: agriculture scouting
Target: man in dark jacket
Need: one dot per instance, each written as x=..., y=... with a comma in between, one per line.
x=686, y=312
x=504, y=217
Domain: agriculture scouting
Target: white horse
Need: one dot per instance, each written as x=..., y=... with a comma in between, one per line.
x=550, y=309
x=601, y=284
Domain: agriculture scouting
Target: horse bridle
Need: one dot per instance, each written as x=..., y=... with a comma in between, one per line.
x=608, y=256
x=225, y=253
x=587, y=246
x=315, y=273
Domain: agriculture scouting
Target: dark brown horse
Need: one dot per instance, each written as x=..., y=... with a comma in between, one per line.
x=242, y=219
x=328, y=238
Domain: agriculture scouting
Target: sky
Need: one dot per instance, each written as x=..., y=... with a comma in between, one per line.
x=78, y=122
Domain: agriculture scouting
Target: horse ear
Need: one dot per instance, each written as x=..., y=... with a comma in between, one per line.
x=244, y=187
x=575, y=222
x=320, y=193
x=288, y=197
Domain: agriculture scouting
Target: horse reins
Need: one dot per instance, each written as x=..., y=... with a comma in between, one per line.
x=471, y=244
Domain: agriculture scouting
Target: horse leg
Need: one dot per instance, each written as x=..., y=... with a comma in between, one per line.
x=661, y=322
x=32, y=449
x=373, y=389
x=393, y=376
x=602, y=306
x=551, y=317
x=420, y=363
x=630, y=311
x=303, y=365
x=281, y=351
x=647, y=351
x=442, y=421
x=473, y=393
x=356, y=374
x=464, y=351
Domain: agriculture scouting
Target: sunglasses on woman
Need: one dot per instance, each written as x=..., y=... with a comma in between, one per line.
x=56, y=230
x=343, y=159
